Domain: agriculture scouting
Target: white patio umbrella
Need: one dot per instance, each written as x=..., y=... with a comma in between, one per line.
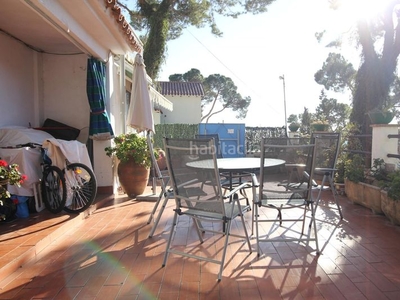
x=140, y=112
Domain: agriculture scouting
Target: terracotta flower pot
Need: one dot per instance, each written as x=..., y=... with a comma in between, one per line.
x=133, y=178
x=364, y=194
x=391, y=208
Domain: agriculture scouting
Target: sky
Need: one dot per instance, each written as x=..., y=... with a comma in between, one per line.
x=256, y=50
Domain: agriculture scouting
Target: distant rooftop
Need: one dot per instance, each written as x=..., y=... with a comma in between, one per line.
x=178, y=88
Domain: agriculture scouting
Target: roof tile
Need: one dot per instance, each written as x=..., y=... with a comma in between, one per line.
x=179, y=88
x=134, y=43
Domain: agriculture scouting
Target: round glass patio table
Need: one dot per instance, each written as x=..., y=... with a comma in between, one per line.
x=236, y=164
x=235, y=168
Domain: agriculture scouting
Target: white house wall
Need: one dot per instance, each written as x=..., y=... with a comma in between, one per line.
x=38, y=86
x=35, y=86
x=65, y=100
x=16, y=83
x=187, y=110
x=64, y=93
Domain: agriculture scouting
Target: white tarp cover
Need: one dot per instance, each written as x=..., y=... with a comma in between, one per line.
x=28, y=159
x=14, y=135
x=74, y=151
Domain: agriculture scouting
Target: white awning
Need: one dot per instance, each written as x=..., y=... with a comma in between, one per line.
x=155, y=96
x=160, y=100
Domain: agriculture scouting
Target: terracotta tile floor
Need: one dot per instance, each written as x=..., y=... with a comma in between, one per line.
x=108, y=255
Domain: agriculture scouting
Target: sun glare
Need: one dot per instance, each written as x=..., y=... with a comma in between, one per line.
x=353, y=10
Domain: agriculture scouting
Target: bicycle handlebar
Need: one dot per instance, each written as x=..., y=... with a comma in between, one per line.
x=30, y=145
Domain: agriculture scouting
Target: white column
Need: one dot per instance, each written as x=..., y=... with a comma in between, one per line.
x=382, y=145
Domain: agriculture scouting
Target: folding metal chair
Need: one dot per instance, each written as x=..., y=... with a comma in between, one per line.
x=163, y=178
x=294, y=164
x=274, y=196
x=193, y=169
x=215, y=136
x=328, y=147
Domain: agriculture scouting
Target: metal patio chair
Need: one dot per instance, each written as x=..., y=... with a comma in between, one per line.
x=328, y=147
x=277, y=197
x=165, y=194
x=196, y=184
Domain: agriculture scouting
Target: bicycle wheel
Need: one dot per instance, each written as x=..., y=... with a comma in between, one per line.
x=81, y=187
x=53, y=189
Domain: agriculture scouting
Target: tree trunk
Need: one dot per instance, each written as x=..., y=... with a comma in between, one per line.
x=154, y=48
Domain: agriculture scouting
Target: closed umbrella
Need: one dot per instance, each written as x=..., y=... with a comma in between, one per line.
x=140, y=113
x=100, y=127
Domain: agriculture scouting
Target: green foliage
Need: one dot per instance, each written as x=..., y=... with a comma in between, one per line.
x=334, y=113
x=173, y=131
x=164, y=20
x=305, y=117
x=354, y=168
x=378, y=170
x=340, y=173
x=393, y=186
x=319, y=125
x=375, y=84
x=293, y=119
x=389, y=181
x=336, y=73
x=131, y=146
x=294, y=126
x=176, y=78
x=9, y=174
x=217, y=88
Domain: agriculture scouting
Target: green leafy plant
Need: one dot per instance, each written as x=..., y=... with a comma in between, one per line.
x=9, y=174
x=378, y=170
x=320, y=125
x=131, y=147
x=389, y=181
x=381, y=116
x=340, y=171
x=355, y=168
x=294, y=126
x=393, y=185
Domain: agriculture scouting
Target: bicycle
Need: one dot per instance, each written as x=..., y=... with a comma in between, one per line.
x=72, y=189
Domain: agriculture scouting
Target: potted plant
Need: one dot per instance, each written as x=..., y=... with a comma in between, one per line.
x=339, y=176
x=9, y=174
x=388, y=185
x=320, y=125
x=294, y=126
x=381, y=116
x=363, y=186
x=134, y=165
x=390, y=197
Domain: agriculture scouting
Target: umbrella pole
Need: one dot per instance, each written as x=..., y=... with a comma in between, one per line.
x=156, y=172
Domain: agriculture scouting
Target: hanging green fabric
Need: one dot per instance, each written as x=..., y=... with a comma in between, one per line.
x=100, y=127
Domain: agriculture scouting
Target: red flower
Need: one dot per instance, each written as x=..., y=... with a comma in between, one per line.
x=23, y=178
x=3, y=163
x=15, y=201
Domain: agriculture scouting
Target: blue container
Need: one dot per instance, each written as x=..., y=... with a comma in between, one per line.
x=232, y=137
x=22, y=206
